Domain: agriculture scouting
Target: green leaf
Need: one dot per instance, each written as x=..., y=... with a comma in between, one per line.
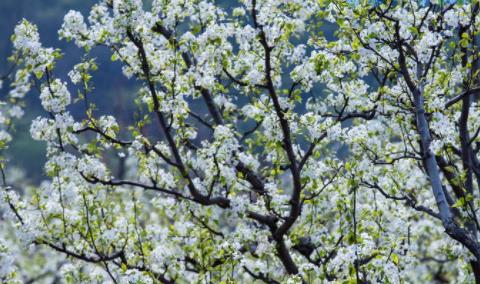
x=413, y=30
x=355, y=44
x=460, y=203
x=395, y=259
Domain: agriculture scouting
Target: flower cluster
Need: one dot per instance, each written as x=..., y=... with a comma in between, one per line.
x=262, y=147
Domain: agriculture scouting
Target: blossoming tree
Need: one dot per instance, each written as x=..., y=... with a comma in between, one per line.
x=262, y=149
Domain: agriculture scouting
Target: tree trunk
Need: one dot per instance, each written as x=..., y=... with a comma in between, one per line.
x=476, y=270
